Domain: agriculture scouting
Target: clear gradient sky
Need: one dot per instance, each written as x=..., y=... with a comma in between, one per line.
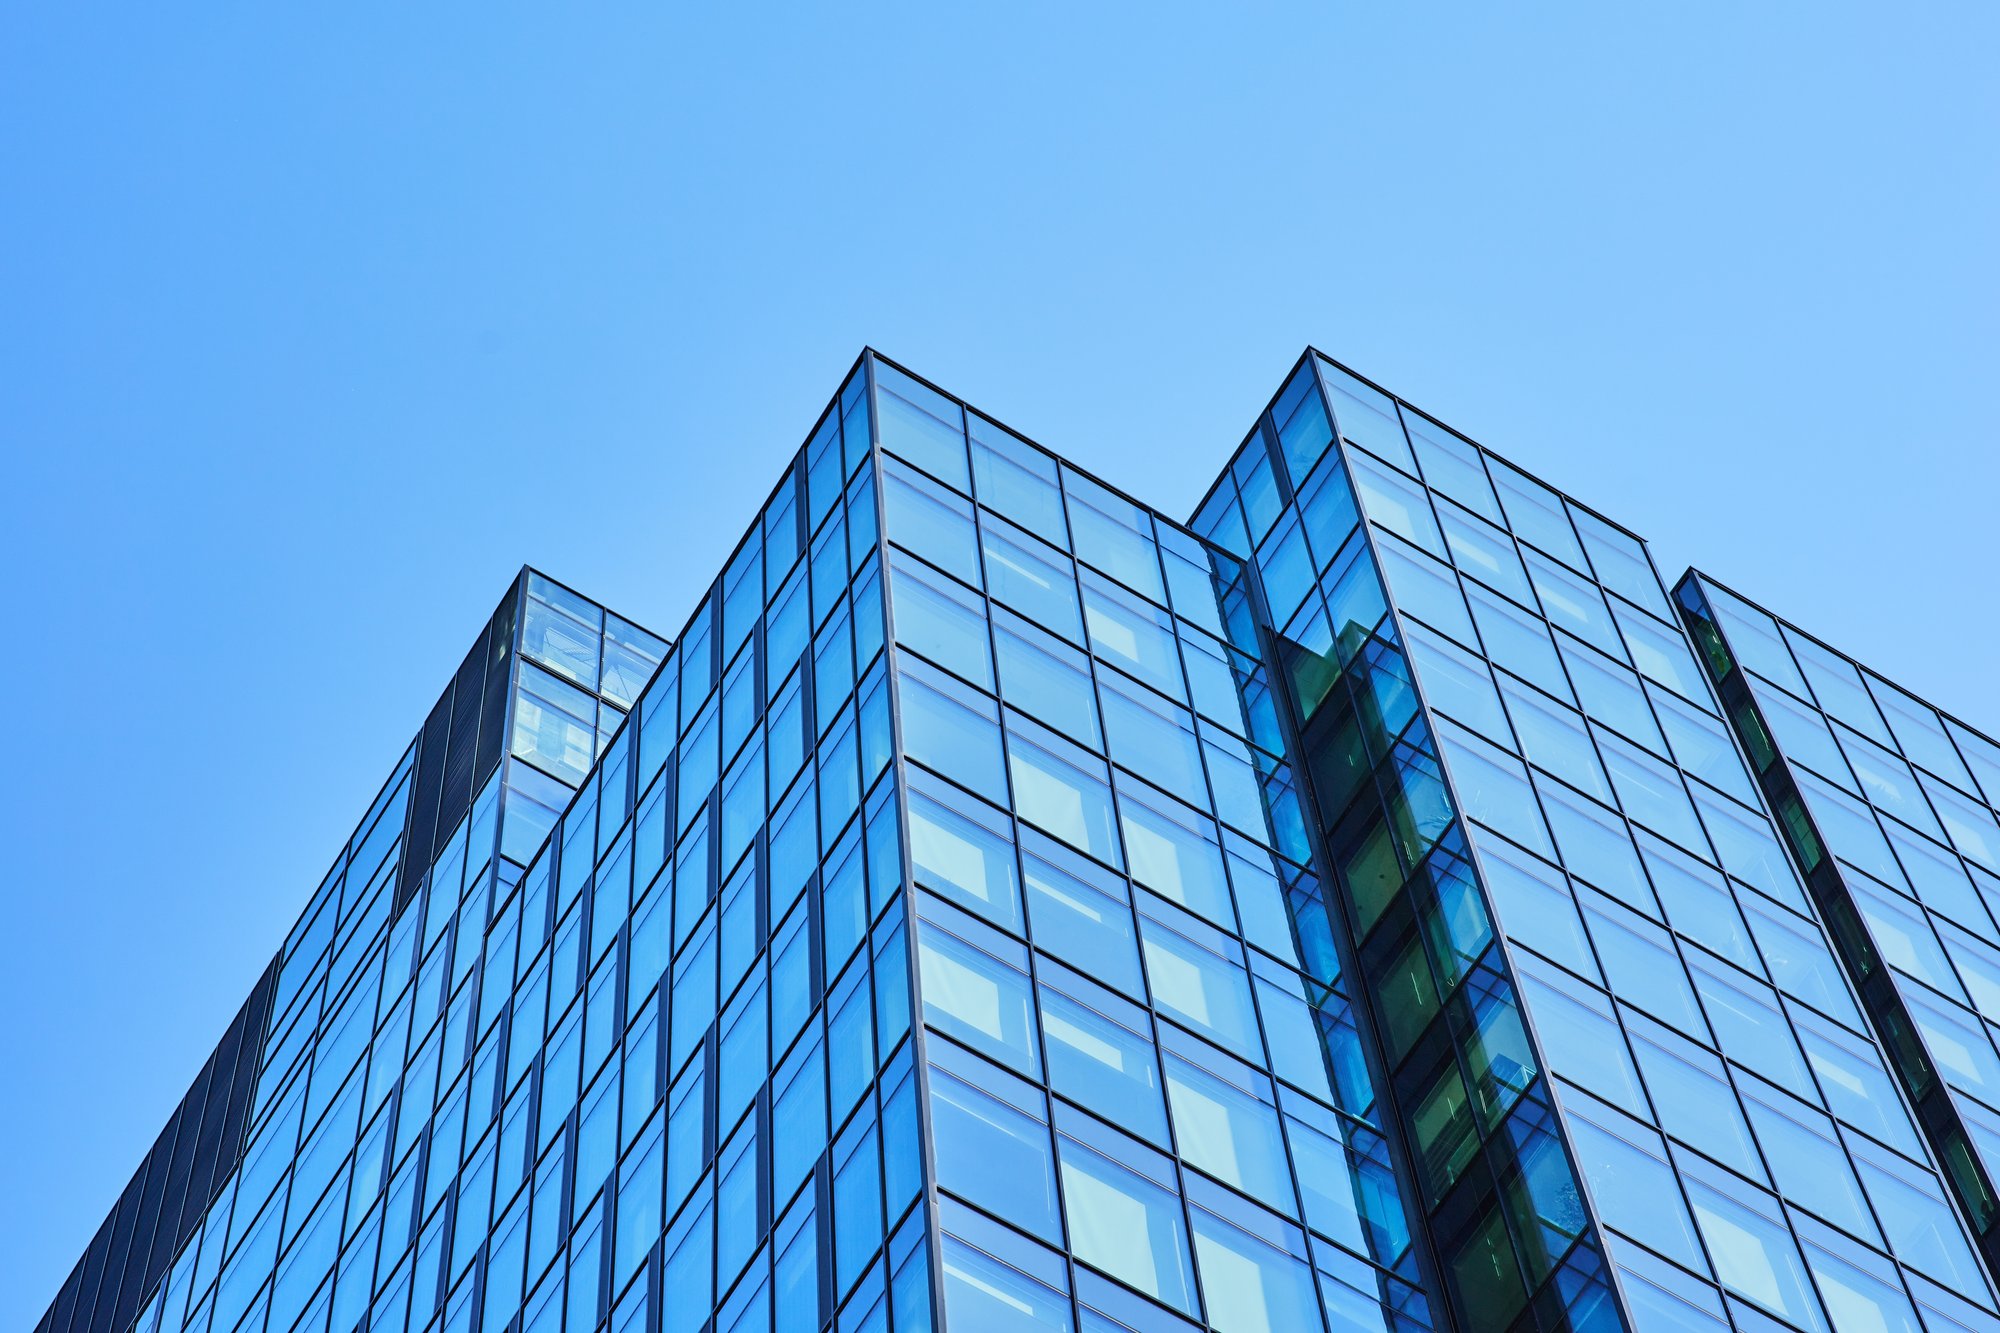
x=316, y=322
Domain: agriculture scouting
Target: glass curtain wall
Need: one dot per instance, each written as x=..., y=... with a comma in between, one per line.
x=327, y=1014
x=1148, y=1102
x=1496, y=1186
x=1883, y=801
x=584, y=667
x=1744, y=1152
x=667, y=1058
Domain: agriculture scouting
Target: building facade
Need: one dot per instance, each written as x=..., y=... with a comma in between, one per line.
x=1003, y=906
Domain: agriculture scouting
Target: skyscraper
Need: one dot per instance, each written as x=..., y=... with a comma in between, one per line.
x=1005, y=907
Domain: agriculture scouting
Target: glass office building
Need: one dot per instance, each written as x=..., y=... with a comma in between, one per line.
x=1005, y=907
x=1885, y=804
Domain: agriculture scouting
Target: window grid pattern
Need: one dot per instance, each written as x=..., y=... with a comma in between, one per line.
x=1148, y=1106
x=323, y=978
x=949, y=929
x=584, y=668
x=1744, y=1148
x=1883, y=812
x=546, y=1099
x=1498, y=1188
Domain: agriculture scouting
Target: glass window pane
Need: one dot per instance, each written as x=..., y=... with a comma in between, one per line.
x=1425, y=588
x=1113, y=535
x=1397, y=503
x=1753, y=1255
x=1857, y=1301
x=1134, y=637
x=1044, y=677
x=1018, y=480
x=1252, y=1287
x=1810, y=1166
x=1695, y=1101
x=1555, y=739
x=1101, y=1064
x=1574, y=603
x=1207, y=992
x=1702, y=746
x=1080, y=918
x=1532, y=901
x=1126, y=1225
x=1176, y=855
x=921, y=425
x=1451, y=465
x=1621, y=563
x=993, y=1152
x=1536, y=513
x=1661, y=654
x=1634, y=1188
x=930, y=521
x=1054, y=790
x=1288, y=572
x=943, y=622
x=1033, y=579
x=1610, y=694
x=1152, y=737
x=1518, y=641
x=1749, y=1026
x=982, y=1292
x=566, y=640
x=1456, y=682
x=1970, y=825
x=555, y=725
x=950, y=729
x=1754, y=640
x=1493, y=788
x=1228, y=1133
x=1798, y=959
x=965, y=858
x=1579, y=1036
x=1856, y=1087
x=1366, y=415
x=1920, y=732
x=1303, y=430
x=631, y=656
x=978, y=999
x=1485, y=552
x=1922, y=1230
x=1641, y=966
x=1651, y=792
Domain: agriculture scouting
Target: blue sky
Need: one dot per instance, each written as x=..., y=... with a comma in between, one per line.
x=319, y=322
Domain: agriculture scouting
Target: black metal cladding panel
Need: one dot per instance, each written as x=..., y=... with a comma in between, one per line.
x=59, y=1313
x=94, y=1260
x=455, y=792
x=79, y=1295
x=235, y=1074
x=180, y=1170
x=141, y=1230
x=183, y=1170
x=164, y=1203
x=499, y=680
x=132, y=1249
x=421, y=827
x=492, y=725
x=455, y=753
x=156, y=1218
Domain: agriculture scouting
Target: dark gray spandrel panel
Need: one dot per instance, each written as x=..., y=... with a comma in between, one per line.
x=176, y=1182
